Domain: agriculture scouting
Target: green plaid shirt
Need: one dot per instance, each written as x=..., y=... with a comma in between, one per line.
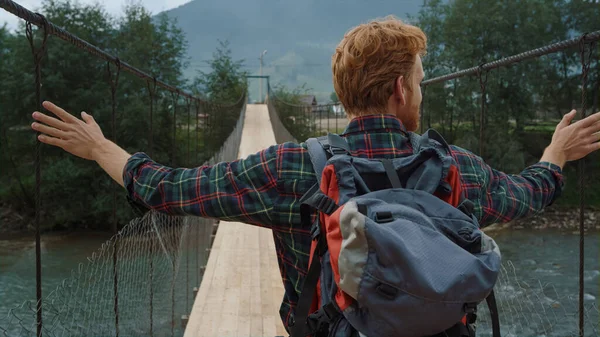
x=264, y=189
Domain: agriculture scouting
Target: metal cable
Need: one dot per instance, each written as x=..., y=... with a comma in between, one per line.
x=175, y=98
x=187, y=237
x=38, y=54
x=589, y=37
x=114, y=81
x=152, y=93
x=482, y=84
x=422, y=107
x=585, y=67
x=38, y=20
x=196, y=229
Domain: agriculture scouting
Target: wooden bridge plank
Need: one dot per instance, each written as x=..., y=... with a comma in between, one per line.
x=242, y=289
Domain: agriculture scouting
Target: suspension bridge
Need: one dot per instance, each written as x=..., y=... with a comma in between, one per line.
x=162, y=275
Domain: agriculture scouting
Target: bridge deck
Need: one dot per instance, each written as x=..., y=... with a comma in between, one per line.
x=241, y=290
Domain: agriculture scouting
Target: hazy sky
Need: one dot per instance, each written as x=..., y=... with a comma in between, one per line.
x=112, y=6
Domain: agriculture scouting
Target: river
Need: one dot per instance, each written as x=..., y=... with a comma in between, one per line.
x=533, y=293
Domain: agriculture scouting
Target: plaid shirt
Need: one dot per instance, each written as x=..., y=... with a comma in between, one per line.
x=264, y=189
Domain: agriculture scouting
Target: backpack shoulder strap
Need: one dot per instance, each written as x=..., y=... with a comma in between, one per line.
x=417, y=141
x=318, y=154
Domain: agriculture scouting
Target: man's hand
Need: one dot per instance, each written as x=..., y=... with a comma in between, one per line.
x=82, y=138
x=573, y=141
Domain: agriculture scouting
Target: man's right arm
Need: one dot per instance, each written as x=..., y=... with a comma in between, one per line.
x=242, y=190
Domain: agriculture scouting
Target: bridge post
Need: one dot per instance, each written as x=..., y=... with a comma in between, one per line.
x=184, y=321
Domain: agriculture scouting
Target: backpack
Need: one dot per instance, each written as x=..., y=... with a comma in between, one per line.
x=396, y=250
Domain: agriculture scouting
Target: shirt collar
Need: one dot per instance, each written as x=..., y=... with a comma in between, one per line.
x=370, y=123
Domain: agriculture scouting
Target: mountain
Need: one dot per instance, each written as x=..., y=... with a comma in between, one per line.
x=299, y=36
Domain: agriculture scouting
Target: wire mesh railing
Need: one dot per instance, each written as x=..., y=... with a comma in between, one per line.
x=480, y=109
x=510, y=128
x=293, y=121
x=143, y=280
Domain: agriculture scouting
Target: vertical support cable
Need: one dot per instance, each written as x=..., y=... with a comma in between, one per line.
x=207, y=154
x=422, y=108
x=38, y=54
x=151, y=92
x=336, y=117
x=113, y=91
x=187, y=237
x=328, y=115
x=482, y=83
x=174, y=149
x=197, y=161
x=174, y=154
x=585, y=67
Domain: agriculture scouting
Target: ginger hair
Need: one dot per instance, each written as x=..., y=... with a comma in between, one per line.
x=370, y=58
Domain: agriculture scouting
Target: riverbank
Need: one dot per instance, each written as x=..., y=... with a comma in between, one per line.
x=14, y=226
x=12, y=223
x=551, y=218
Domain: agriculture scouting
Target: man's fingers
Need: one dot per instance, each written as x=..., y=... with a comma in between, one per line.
x=593, y=147
x=56, y=123
x=87, y=117
x=593, y=128
x=590, y=120
x=48, y=130
x=52, y=141
x=62, y=114
x=566, y=120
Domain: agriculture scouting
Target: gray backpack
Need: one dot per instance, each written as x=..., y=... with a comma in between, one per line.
x=396, y=250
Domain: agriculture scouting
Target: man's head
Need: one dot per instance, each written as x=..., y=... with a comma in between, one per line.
x=377, y=70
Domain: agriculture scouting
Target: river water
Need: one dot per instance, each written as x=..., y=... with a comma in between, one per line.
x=537, y=293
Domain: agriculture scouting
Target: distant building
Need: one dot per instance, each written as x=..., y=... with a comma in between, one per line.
x=308, y=99
x=338, y=109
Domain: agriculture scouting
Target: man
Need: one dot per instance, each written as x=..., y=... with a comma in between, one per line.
x=376, y=74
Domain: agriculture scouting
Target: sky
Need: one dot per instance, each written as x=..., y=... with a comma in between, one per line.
x=114, y=7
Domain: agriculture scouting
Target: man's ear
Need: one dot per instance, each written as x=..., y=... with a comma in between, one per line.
x=399, y=90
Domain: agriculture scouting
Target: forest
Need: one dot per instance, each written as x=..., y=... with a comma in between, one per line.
x=76, y=194
x=523, y=102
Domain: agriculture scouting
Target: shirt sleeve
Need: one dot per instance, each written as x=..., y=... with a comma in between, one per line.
x=242, y=190
x=500, y=197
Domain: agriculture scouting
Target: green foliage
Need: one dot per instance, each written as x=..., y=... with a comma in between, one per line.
x=226, y=82
x=334, y=97
x=298, y=118
x=524, y=101
x=76, y=193
x=225, y=87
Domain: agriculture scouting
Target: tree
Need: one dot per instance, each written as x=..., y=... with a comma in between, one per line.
x=333, y=97
x=72, y=194
x=297, y=117
x=226, y=82
x=523, y=101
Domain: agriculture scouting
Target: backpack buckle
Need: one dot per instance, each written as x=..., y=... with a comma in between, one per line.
x=327, y=205
x=320, y=319
x=315, y=230
x=337, y=145
x=336, y=150
x=470, y=308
